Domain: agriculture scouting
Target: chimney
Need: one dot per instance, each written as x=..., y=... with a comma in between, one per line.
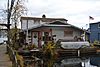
x=43, y=16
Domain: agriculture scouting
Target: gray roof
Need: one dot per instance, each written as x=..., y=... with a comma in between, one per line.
x=55, y=25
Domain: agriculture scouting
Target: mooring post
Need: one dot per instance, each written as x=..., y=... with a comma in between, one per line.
x=78, y=52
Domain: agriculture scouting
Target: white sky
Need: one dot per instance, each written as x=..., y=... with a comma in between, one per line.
x=77, y=12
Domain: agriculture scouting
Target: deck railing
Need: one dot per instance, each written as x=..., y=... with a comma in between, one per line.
x=12, y=55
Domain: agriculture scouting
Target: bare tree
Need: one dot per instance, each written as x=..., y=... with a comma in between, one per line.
x=18, y=10
x=14, y=11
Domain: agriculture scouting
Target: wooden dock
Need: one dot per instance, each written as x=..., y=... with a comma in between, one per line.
x=4, y=58
x=77, y=52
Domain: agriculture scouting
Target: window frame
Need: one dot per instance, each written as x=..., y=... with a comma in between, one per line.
x=69, y=33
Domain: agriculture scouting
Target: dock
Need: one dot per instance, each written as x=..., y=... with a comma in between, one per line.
x=77, y=52
x=4, y=58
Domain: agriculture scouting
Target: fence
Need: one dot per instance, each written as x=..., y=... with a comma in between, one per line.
x=12, y=55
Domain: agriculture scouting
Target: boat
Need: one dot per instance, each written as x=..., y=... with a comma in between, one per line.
x=74, y=45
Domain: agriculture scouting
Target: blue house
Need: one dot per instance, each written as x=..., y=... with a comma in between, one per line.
x=94, y=31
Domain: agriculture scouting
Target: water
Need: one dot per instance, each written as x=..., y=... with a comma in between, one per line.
x=93, y=61
x=74, y=62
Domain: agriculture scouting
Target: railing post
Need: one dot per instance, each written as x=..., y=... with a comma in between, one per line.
x=78, y=52
x=12, y=56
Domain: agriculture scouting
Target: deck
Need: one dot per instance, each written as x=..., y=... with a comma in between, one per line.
x=77, y=52
x=4, y=58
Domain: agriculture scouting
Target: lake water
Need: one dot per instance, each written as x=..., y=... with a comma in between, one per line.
x=93, y=61
x=75, y=62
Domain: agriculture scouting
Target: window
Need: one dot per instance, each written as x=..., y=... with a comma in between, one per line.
x=98, y=25
x=68, y=33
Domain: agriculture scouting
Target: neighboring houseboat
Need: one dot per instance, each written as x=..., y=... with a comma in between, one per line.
x=3, y=33
x=94, y=31
x=37, y=29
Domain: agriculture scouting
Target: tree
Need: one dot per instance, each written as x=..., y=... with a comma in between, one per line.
x=15, y=9
x=18, y=10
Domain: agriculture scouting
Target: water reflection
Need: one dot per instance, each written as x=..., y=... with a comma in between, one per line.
x=70, y=62
x=95, y=61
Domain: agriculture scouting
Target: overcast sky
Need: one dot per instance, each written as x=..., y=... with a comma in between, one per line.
x=77, y=12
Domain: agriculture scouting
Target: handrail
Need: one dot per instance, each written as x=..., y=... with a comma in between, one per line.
x=12, y=56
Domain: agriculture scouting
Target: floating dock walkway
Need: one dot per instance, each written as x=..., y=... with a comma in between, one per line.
x=77, y=52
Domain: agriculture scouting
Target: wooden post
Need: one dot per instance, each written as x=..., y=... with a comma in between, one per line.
x=39, y=39
x=78, y=52
x=51, y=33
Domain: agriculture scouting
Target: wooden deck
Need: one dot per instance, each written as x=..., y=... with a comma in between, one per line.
x=4, y=58
x=77, y=52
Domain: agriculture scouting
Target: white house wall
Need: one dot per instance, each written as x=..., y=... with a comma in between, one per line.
x=59, y=32
x=76, y=32
x=30, y=24
x=24, y=24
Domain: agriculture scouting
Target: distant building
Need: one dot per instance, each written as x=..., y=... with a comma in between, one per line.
x=94, y=31
x=3, y=35
x=3, y=32
x=37, y=28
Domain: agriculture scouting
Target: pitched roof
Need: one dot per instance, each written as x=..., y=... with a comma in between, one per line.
x=51, y=22
x=59, y=23
x=43, y=19
x=95, y=22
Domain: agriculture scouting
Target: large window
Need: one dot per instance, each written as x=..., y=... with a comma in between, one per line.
x=98, y=25
x=68, y=33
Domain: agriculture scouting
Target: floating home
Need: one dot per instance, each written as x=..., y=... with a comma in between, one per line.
x=36, y=29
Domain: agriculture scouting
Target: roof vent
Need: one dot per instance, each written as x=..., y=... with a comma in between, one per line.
x=43, y=16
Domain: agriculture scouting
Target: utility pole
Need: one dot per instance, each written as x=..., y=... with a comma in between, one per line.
x=8, y=18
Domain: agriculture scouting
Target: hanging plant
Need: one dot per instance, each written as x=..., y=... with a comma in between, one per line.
x=49, y=49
